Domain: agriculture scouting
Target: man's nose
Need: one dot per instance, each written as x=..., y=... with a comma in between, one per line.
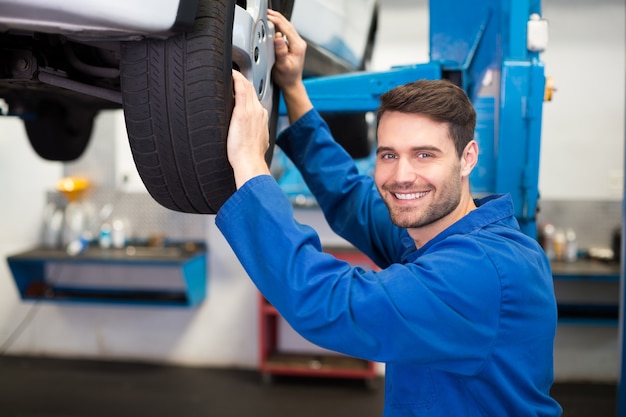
x=405, y=171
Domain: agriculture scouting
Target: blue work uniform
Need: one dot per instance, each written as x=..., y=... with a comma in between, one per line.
x=465, y=324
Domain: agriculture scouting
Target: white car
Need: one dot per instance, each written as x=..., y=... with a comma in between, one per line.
x=168, y=64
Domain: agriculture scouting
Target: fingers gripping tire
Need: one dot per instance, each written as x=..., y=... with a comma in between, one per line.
x=178, y=98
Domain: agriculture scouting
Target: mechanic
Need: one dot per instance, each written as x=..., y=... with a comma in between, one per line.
x=462, y=313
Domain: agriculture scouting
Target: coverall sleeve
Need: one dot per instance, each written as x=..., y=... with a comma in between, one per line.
x=349, y=200
x=435, y=312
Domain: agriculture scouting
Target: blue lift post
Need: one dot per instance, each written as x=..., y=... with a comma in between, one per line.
x=469, y=42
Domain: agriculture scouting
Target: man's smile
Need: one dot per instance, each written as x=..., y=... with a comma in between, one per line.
x=410, y=196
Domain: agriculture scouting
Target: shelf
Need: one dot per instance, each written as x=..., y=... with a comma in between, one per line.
x=586, y=311
x=267, y=308
x=316, y=365
x=173, y=275
x=585, y=269
x=588, y=314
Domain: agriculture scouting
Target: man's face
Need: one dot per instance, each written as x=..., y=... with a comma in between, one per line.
x=418, y=172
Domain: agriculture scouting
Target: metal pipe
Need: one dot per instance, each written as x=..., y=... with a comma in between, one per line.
x=104, y=72
x=106, y=94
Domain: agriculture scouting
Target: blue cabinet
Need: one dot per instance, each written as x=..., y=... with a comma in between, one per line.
x=173, y=275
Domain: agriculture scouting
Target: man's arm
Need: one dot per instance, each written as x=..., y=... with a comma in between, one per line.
x=287, y=72
x=381, y=316
x=351, y=206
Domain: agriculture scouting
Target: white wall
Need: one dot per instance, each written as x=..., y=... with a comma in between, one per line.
x=581, y=154
x=24, y=178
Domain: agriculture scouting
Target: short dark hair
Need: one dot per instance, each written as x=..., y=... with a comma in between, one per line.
x=439, y=100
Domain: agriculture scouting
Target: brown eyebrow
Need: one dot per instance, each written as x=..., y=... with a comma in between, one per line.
x=414, y=149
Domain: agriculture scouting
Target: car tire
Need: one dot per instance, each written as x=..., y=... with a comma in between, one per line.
x=177, y=98
x=59, y=132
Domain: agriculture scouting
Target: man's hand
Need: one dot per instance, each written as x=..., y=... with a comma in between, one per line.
x=248, y=135
x=287, y=72
x=289, y=55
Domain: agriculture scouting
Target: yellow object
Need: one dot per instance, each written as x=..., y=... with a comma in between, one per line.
x=72, y=187
x=550, y=89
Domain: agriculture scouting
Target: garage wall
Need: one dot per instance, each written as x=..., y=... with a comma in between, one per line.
x=582, y=158
x=24, y=179
x=582, y=153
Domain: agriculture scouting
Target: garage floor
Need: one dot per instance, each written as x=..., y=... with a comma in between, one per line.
x=32, y=387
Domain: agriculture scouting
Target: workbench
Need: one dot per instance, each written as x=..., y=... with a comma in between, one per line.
x=590, y=310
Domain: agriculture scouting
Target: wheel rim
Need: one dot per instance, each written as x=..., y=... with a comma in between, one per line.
x=253, y=48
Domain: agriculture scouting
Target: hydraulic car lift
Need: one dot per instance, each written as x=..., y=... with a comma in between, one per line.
x=491, y=49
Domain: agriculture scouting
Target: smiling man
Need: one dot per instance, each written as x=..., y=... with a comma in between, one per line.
x=426, y=151
x=462, y=311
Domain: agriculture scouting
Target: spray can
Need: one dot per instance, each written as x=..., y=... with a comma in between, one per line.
x=560, y=241
x=571, y=246
x=548, y=240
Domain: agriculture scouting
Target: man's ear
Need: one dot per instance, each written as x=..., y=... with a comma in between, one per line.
x=469, y=158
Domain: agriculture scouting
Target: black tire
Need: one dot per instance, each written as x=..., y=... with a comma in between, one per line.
x=178, y=98
x=59, y=132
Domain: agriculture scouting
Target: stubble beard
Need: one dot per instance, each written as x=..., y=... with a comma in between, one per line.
x=412, y=217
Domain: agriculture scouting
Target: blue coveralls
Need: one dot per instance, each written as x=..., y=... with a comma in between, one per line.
x=465, y=324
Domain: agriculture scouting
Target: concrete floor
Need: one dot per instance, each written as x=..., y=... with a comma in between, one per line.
x=37, y=387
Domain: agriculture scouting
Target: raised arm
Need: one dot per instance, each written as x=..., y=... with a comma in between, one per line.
x=290, y=50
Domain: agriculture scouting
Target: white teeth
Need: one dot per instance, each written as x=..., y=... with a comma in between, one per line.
x=413, y=196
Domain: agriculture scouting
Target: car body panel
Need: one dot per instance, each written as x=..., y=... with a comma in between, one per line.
x=339, y=27
x=97, y=18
